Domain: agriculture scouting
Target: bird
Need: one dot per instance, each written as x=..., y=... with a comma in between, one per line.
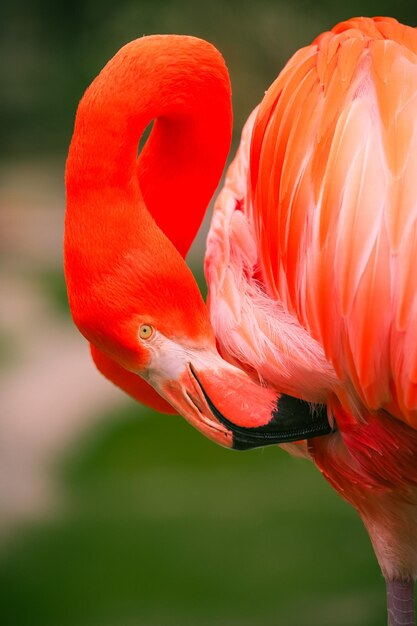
x=308, y=336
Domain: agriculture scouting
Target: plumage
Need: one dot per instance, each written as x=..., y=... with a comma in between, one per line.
x=332, y=217
x=309, y=261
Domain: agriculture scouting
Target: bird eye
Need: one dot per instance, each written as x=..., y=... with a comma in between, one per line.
x=145, y=331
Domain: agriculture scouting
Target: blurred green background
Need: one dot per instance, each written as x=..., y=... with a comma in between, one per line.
x=111, y=515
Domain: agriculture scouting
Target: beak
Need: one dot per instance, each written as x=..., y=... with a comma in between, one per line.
x=227, y=406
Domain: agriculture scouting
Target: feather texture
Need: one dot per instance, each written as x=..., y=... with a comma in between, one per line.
x=335, y=215
x=252, y=329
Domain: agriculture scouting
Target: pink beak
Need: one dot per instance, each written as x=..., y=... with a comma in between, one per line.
x=227, y=406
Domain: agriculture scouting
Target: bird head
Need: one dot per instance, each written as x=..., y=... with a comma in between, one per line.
x=150, y=333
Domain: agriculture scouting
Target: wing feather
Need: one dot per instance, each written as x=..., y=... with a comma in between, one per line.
x=334, y=194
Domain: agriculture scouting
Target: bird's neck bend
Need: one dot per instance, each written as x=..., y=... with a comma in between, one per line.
x=114, y=198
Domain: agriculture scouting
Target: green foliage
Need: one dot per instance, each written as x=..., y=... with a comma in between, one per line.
x=163, y=527
x=51, y=283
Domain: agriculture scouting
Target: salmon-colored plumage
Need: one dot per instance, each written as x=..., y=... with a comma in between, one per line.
x=310, y=258
x=335, y=211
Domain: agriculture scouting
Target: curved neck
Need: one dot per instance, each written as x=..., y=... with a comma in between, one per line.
x=181, y=83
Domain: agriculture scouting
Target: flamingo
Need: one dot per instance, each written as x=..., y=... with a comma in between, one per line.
x=308, y=338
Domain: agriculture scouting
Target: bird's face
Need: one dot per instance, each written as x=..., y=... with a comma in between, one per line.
x=148, y=325
x=217, y=398
x=158, y=335
x=160, y=330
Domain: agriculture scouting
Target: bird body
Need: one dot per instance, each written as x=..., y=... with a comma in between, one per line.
x=309, y=262
x=310, y=268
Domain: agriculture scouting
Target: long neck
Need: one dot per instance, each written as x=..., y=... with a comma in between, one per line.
x=182, y=84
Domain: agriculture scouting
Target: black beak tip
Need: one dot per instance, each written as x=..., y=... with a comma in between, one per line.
x=291, y=420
